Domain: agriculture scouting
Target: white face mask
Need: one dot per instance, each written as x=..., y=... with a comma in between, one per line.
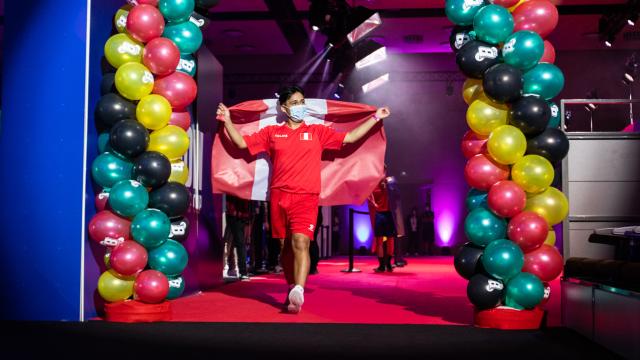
x=298, y=112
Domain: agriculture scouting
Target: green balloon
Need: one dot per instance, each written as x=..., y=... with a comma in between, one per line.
x=169, y=258
x=187, y=64
x=503, y=259
x=103, y=143
x=493, y=24
x=545, y=80
x=176, y=287
x=523, y=49
x=186, y=35
x=461, y=12
x=151, y=228
x=554, y=122
x=128, y=198
x=483, y=226
x=476, y=199
x=524, y=291
x=108, y=169
x=176, y=10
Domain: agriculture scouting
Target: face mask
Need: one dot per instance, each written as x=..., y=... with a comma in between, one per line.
x=298, y=112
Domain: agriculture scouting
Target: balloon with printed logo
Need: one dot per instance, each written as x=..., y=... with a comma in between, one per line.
x=171, y=141
x=115, y=287
x=485, y=115
x=176, y=287
x=544, y=262
x=461, y=12
x=524, y=291
x=476, y=57
x=101, y=200
x=107, y=169
x=475, y=199
x=503, y=83
x=482, y=226
x=145, y=23
x=179, y=172
x=186, y=35
x=176, y=10
x=530, y=114
x=151, y=169
x=481, y=172
x=551, y=204
x=554, y=122
x=109, y=229
x=506, y=199
x=187, y=64
x=547, y=294
x=545, y=80
x=134, y=81
x=485, y=292
x=503, y=259
x=467, y=261
x=169, y=258
x=112, y=108
x=120, y=20
x=533, y=173
x=179, y=229
x=528, y=230
x=179, y=88
x=153, y=111
x=523, y=49
x=507, y=144
x=493, y=24
x=108, y=83
x=171, y=198
x=128, y=198
x=549, y=54
x=181, y=119
x=151, y=287
x=460, y=35
x=121, y=49
x=540, y=16
x=473, y=144
x=552, y=144
x=551, y=238
x=471, y=90
x=161, y=56
x=128, y=258
x=151, y=228
x=103, y=143
x=128, y=138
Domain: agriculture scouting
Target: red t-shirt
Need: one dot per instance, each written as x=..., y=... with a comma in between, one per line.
x=380, y=197
x=296, y=154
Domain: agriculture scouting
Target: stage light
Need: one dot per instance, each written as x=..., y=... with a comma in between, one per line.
x=336, y=95
x=277, y=95
x=315, y=28
x=371, y=22
x=608, y=43
x=341, y=85
x=376, y=83
x=375, y=57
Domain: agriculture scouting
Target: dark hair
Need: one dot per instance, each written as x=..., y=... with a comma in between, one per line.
x=285, y=93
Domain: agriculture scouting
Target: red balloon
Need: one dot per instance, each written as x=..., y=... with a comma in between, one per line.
x=481, y=172
x=148, y=2
x=506, y=199
x=539, y=16
x=545, y=262
x=145, y=23
x=151, y=286
x=102, y=201
x=505, y=3
x=128, y=258
x=181, y=118
x=179, y=88
x=161, y=56
x=109, y=229
x=529, y=230
x=473, y=144
x=549, y=55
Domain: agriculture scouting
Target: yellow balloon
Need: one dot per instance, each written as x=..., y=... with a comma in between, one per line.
x=120, y=20
x=516, y=5
x=121, y=49
x=533, y=173
x=551, y=238
x=470, y=90
x=485, y=115
x=134, y=81
x=551, y=204
x=171, y=140
x=179, y=172
x=153, y=111
x=115, y=287
x=506, y=144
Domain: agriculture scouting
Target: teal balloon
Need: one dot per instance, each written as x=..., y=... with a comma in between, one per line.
x=476, y=199
x=107, y=169
x=493, y=24
x=523, y=49
x=545, y=80
x=176, y=287
x=524, y=291
x=554, y=122
x=176, y=10
x=462, y=12
x=187, y=64
x=169, y=258
x=128, y=197
x=503, y=259
x=186, y=35
x=103, y=143
x=151, y=228
x=483, y=226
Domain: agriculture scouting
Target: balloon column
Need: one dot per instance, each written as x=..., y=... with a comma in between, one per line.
x=144, y=116
x=511, y=149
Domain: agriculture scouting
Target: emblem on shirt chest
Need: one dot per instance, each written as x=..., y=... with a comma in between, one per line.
x=305, y=136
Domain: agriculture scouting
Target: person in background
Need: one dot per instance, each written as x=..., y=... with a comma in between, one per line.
x=258, y=237
x=428, y=231
x=384, y=229
x=335, y=233
x=238, y=219
x=413, y=225
x=314, y=250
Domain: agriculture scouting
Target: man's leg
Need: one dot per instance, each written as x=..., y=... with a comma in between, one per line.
x=301, y=261
x=390, y=248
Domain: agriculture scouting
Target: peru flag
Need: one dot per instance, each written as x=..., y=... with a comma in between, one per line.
x=348, y=175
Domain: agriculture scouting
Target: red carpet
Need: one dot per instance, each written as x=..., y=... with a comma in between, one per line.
x=426, y=291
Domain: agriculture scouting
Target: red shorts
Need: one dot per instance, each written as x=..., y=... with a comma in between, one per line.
x=293, y=213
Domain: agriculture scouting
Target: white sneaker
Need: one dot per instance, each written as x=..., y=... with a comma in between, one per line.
x=296, y=299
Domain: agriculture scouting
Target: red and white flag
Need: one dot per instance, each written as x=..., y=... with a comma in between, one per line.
x=348, y=175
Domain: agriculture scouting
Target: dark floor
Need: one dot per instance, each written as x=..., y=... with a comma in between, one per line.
x=100, y=340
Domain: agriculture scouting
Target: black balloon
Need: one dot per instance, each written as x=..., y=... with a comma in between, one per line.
x=129, y=138
x=151, y=169
x=459, y=37
x=551, y=143
x=467, y=261
x=112, y=108
x=484, y=291
x=108, y=84
x=171, y=198
x=179, y=229
x=207, y=4
x=530, y=114
x=503, y=83
x=476, y=57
